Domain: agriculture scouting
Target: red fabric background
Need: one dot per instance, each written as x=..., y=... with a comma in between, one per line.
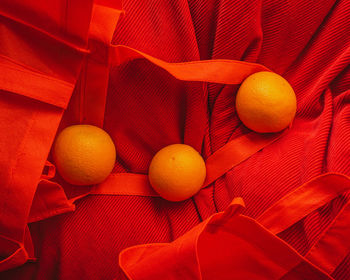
x=308, y=42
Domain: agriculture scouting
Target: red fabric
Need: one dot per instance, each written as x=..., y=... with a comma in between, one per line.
x=230, y=244
x=224, y=247
x=305, y=41
x=50, y=197
x=39, y=65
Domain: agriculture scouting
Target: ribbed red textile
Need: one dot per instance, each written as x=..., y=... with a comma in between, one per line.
x=307, y=42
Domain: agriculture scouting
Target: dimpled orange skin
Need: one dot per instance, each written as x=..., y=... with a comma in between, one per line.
x=84, y=154
x=177, y=172
x=266, y=102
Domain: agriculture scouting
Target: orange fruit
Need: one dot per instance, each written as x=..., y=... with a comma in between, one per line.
x=177, y=172
x=266, y=102
x=84, y=154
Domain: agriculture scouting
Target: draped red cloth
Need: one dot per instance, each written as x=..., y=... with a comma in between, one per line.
x=154, y=73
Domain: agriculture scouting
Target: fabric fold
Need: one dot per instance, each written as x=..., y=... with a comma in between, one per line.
x=39, y=64
x=37, y=81
x=229, y=243
x=225, y=246
x=94, y=98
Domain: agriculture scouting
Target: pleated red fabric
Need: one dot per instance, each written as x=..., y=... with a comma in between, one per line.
x=144, y=105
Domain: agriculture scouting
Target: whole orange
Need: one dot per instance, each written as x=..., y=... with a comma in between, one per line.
x=266, y=102
x=84, y=154
x=177, y=172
